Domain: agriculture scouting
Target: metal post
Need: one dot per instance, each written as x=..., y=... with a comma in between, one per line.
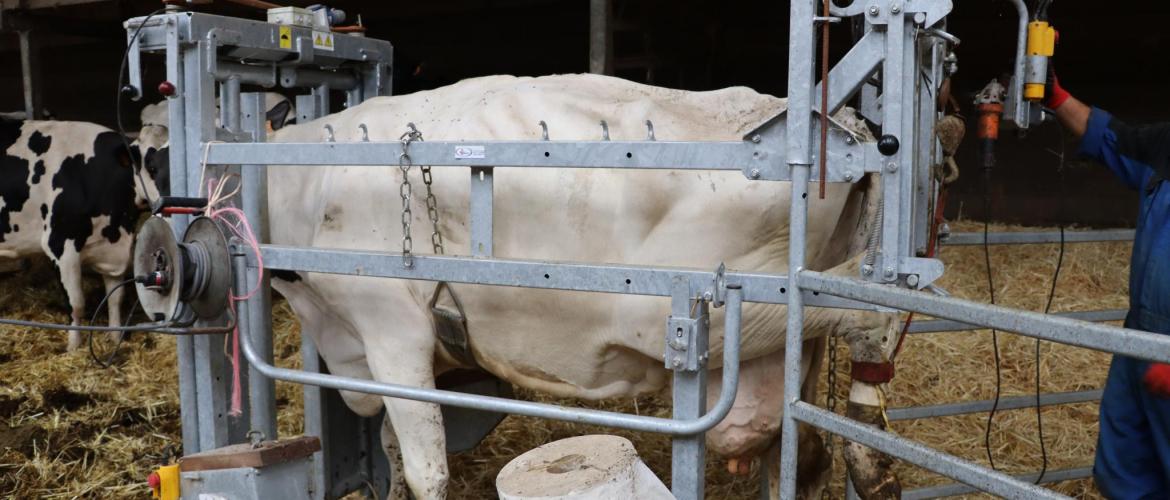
x=185, y=347
x=893, y=92
x=600, y=50
x=799, y=158
x=212, y=372
x=30, y=70
x=321, y=95
x=230, y=104
x=689, y=393
x=482, y=214
x=254, y=186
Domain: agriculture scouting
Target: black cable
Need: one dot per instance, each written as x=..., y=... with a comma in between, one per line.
x=994, y=333
x=93, y=355
x=1051, y=296
x=136, y=163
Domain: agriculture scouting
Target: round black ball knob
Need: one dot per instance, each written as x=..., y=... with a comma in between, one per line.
x=888, y=145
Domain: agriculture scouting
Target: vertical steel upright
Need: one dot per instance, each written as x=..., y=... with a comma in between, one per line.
x=688, y=391
x=799, y=158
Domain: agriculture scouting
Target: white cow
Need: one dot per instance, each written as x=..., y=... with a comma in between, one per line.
x=565, y=343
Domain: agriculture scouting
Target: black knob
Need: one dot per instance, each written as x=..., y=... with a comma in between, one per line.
x=888, y=145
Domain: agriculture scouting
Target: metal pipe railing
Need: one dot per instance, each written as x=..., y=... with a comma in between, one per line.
x=946, y=490
x=1039, y=237
x=730, y=384
x=1010, y=403
x=946, y=325
x=919, y=454
x=1123, y=341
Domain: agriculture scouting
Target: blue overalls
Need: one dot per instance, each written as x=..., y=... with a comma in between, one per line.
x=1133, y=450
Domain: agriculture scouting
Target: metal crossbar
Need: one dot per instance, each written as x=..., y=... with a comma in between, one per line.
x=1039, y=237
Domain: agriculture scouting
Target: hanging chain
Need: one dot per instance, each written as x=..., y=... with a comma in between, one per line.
x=405, y=190
x=831, y=398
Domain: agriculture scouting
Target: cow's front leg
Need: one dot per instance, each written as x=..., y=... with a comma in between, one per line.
x=404, y=355
x=870, y=353
x=69, y=266
x=114, y=295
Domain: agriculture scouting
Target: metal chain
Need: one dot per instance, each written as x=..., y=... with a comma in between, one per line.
x=405, y=191
x=831, y=399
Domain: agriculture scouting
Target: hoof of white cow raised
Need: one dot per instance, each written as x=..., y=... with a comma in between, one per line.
x=597, y=467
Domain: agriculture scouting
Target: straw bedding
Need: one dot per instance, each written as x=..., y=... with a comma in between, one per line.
x=69, y=428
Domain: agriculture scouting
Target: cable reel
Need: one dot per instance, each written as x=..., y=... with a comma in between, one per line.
x=181, y=281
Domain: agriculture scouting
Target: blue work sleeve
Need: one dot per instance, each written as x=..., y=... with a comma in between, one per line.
x=1131, y=152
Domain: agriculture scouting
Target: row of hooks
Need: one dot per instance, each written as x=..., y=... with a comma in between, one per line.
x=543, y=131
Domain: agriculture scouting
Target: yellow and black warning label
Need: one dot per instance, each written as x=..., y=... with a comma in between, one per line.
x=323, y=40
x=285, y=37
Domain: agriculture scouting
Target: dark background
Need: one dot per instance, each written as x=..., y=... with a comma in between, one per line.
x=1110, y=58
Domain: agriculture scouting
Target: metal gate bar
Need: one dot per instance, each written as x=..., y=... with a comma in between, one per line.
x=979, y=406
x=1124, y=341
x=946, y=490
x=1037, y=237
x=918, y=454
x=674, y=427
x=946, y=325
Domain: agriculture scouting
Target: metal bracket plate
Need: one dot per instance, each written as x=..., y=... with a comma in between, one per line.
x=683, y=352
x=848, y=156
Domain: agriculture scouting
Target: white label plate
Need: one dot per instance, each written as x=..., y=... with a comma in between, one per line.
x=468, y=152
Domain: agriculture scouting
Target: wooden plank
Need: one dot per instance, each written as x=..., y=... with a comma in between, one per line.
x=244, y=455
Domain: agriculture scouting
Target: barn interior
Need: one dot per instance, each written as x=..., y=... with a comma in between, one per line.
x=1105, y=57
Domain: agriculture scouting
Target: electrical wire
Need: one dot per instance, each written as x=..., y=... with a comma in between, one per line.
x=994, y=333
x=92, y=354
x=1051, y=295
x=136, y=162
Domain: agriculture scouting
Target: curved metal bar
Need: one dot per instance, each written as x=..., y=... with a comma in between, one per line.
x=530, y=409
x=1017, y=90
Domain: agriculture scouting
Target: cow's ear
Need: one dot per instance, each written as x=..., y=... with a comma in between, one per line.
x=127, y=157
x=278, y=115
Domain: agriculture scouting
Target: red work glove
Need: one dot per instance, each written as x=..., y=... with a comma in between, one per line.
x=1056, y=94
x=1157, y=380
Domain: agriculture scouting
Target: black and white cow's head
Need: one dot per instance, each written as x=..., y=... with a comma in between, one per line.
x=153, y=143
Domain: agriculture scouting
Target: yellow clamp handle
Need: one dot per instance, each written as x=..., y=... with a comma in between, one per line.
x=168, y=483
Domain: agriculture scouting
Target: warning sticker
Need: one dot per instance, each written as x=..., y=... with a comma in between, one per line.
x=468, y=152
x=285, y=37
x=323, y=40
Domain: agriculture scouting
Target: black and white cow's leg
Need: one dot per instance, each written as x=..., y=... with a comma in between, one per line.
x=393, y=451
x=69, y=266
x=404, y=354
x=114, y=294
x=870, y=352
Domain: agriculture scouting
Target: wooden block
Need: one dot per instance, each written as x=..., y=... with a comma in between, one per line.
x=244, y=455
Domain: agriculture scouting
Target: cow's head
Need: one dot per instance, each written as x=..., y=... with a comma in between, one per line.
x=152, y=179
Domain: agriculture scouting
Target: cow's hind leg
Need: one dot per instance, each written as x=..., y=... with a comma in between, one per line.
x=114, y=294
x=405, y=355
x=69, y=266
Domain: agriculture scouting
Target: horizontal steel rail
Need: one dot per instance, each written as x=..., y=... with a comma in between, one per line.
x=947, y=490
x=1124, y=341
x=1039, y=237
x=1010, y=403
x=623, y=279
x=919, y=454
x=744, y=156
x=946, y=325
x=673, y=427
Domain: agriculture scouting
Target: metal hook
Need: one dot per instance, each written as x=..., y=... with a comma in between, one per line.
x=365, y=132
x=604, y=131
x=329, y=131
x=649, y=130
x=543, y=131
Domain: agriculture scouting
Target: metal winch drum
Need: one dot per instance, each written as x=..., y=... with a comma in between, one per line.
x=181, y=281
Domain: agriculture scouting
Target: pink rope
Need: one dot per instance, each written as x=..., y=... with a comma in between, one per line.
x=237, y=222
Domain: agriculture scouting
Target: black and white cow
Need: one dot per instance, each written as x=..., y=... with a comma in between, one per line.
x=70, y=190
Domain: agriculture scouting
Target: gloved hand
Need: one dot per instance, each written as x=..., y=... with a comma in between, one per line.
x=1157, y=380
x=1056, y=94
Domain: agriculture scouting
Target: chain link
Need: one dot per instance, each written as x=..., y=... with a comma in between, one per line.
x=406, y=191
x=831, y=399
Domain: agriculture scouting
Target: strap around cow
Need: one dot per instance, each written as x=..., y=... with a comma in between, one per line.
x=451, y=326
x=871, y=373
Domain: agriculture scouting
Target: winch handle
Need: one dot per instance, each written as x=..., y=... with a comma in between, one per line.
x=178, y=205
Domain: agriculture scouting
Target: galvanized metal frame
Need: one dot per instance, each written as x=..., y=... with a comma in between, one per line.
x=894, y=48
